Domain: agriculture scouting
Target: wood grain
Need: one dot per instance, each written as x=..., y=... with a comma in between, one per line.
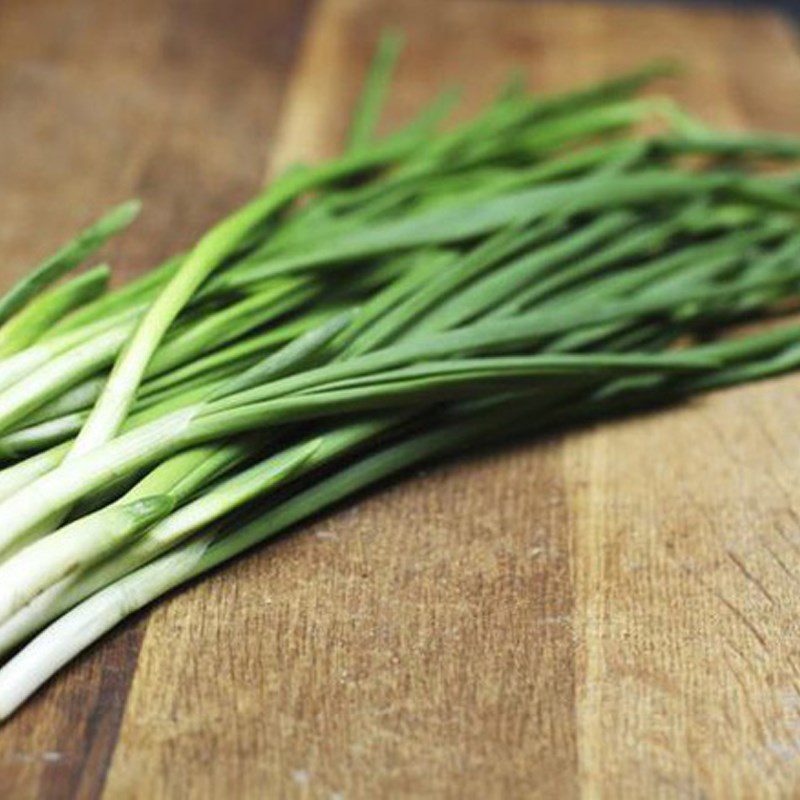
x=611, y=612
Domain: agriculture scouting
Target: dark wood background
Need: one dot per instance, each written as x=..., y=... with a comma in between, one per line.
x=611, y=612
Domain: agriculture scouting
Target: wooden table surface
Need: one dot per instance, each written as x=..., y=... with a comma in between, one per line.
x=610, y=612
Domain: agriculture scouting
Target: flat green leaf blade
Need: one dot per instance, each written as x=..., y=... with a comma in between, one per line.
x=69, y=257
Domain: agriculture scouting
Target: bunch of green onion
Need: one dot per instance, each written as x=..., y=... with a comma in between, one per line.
x=427, y=292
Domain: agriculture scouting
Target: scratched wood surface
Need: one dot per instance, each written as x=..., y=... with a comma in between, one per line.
x=611, y=612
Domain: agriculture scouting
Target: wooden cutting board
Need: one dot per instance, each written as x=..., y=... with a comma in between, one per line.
x=610, y=612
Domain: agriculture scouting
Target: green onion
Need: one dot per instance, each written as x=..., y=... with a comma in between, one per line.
x=66, y=259
x=41, y=313
x=376, y=89
x=428, y=291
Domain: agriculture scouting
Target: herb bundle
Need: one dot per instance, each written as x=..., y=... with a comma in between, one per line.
x=427, y=292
